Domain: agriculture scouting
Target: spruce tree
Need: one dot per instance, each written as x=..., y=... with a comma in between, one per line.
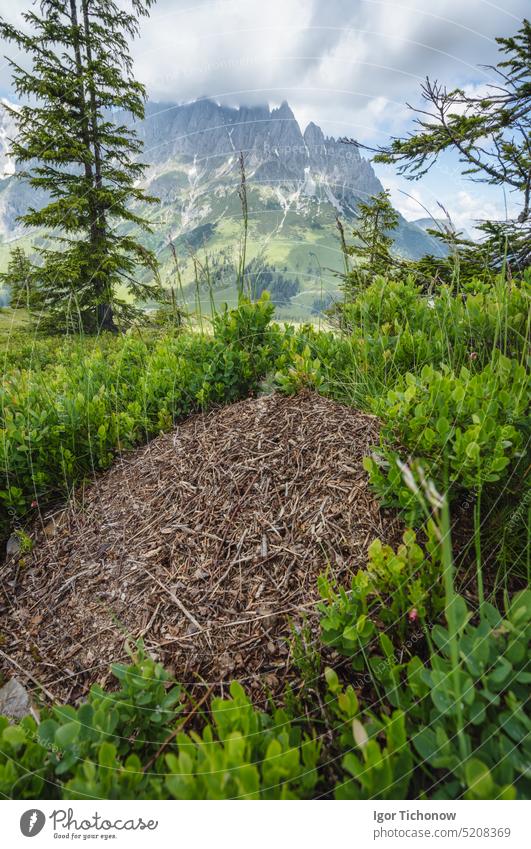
x=20, y=281
x=372, y=249
x=491, y=133
x=73, y=142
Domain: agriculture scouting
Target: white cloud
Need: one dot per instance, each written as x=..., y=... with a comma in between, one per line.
x=348, y=65
x=432, y=197
x=469, y=208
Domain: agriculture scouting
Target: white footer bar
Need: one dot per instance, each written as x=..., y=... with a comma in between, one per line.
x=264, y=825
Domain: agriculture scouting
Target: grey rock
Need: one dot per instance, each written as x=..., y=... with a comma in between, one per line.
x=13, y=547
x=15, y=702
x=313, y=135
x=274, y=147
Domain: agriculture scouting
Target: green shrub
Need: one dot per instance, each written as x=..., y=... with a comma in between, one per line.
x=408, y=580
x=400, y=328
x=96, y=750
x=396, y=588
x=304, y=372
x=345, y=622
x=247, y=325
x=466, y=428
x=455, y=731
x=493, y=692
x=244, y=754
x=65, y=421
x=25, y=770
x=445, y=728
x=111, y=747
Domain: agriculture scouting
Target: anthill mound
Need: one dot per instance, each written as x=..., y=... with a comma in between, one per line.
x=207, y=543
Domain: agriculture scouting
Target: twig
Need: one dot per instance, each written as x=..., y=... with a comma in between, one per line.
x=28, y=675
x=177, y=601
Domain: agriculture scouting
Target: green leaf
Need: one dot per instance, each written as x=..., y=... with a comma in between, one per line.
x=459, y=393
x=443, y=426
x=350, y=633
x=520, y=608
x=359, y=733
x=332, y=680
x=14, y=735
x=478, y=778
x=107, y=755
x=46, y=732
x=459, y=610
x=472, y=451
x=67, y=734
x=500, y=673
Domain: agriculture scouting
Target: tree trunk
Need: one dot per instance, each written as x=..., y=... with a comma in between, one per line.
x=89, y=134
x=93, y=114
x=105, y=318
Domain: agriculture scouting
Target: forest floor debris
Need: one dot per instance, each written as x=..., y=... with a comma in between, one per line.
x=207, y=543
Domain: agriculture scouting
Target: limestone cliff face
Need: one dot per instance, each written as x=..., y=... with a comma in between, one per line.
x=192, y=152
x=271, y=140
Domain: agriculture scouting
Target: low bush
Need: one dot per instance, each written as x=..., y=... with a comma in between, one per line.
x=466, y=428
x=244, y=753
x=128, y=744
x=394, y=327
x=444, y=730
x=303, y=372
x=457, y=730
x=399, y=328
x=96, y=750
x=63, y=422
x=396, y=589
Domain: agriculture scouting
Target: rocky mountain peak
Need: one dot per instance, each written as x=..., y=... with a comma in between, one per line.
x=313, y=135
x=193, y=151
x=284, y=111
x=271, y=140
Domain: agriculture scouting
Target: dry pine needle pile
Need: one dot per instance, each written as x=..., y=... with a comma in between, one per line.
x=207, y=543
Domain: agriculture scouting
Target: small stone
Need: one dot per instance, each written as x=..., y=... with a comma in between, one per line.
x=226, y=663
x=13, y=547
x=15, y=702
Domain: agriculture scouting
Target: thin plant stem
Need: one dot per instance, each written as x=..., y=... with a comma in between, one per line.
x=453, y=627
x=477, y=547
x=242, y=193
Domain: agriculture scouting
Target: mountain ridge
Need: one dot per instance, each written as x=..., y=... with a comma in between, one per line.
x=204, y=129
x=297, y=182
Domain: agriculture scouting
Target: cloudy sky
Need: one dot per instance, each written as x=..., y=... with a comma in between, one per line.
x=348, y=65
